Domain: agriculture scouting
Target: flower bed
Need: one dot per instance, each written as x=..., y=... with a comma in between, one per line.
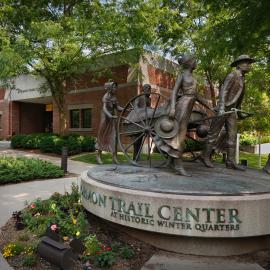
x=13, y=170
x=64, y=217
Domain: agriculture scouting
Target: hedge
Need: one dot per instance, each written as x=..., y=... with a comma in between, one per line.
x=13, y=170
x=53, y=143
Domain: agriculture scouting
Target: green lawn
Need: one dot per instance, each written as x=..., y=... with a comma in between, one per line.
x=107, y=157
x=253, y=159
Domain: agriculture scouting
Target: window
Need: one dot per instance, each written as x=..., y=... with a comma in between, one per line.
x=86, y=118
x=75, y=118
x=80, y=117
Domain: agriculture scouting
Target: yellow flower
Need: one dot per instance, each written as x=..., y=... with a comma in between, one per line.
x=74, y=221
x=78, y=233
x=53, y=206
x=65, y=238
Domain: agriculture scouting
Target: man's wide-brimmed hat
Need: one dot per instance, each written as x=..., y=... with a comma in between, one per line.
x=243, y=58
x=166, y=128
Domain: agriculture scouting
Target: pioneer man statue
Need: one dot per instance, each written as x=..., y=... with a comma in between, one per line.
x=230, y=96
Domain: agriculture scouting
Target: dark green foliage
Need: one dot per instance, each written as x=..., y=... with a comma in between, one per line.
x=192, y=145
x=31, y=141
x=17, y=141
x=104, y=259
x=87, y=143
x=52, y=143
x=29, y=260
x=127, y=253
x=20, y=169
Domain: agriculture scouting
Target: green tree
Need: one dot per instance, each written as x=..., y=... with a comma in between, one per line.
x=218, y=31
x=61, y=39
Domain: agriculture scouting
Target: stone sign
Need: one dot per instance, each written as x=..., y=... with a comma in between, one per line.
x=189, y=215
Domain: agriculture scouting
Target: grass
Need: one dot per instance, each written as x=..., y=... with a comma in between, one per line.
x=107, y=157
x=253, y=159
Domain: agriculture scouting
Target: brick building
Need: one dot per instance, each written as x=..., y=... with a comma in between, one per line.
x=24, y=109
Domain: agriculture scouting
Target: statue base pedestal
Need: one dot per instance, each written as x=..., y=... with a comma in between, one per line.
x=216, y=212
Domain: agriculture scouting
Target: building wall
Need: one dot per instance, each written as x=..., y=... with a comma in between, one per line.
x=93, y=100
x=86, y=92
x=4, y=112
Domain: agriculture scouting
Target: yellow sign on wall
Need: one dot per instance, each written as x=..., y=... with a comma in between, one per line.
x=49, y=107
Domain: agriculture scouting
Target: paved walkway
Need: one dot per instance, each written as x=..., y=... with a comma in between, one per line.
x=171, y=261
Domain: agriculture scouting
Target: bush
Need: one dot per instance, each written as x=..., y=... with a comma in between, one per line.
x=92, y=244
x=48, y=144
x=52, y=143
x=20, y=169
x=31, y=141
x=73, y=144
x=127, y=253
x=17, y=141
x=247, y=139
x=104, y=259
x=88, y=143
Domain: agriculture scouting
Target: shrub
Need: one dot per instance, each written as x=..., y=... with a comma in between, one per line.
x=52, y=143
x=247, y=139
x=265, y=139
x=104, y=259
x=88, y=143
x=127, y=253
x=92, y=244
x=17, y=141
x=23, y=169
x=73, y=144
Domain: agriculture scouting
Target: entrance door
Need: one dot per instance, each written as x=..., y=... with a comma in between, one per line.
x=48, y=118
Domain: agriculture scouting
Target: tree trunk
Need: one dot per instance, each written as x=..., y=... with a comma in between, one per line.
x=57, y=89
x=62, y=121
x=212, y=89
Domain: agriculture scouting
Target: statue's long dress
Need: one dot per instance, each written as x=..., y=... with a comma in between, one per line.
x=183, y=108
x=107, y=129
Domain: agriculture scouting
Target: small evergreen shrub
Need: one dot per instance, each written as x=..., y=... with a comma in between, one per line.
x=17, y=141
x=13, y=170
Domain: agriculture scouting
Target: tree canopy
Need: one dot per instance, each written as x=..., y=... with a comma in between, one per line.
x=60, y=39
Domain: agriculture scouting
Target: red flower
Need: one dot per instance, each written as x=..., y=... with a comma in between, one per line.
x=98, y=252
x=32, y=206
x=108, y=248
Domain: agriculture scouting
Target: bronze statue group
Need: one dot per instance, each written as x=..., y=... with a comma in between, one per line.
x=183, y=98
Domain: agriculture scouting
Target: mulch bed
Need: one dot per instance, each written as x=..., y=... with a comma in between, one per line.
x=104, y=232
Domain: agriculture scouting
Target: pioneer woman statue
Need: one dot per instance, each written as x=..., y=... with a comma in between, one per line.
x=182, y=101
x=107, y=135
